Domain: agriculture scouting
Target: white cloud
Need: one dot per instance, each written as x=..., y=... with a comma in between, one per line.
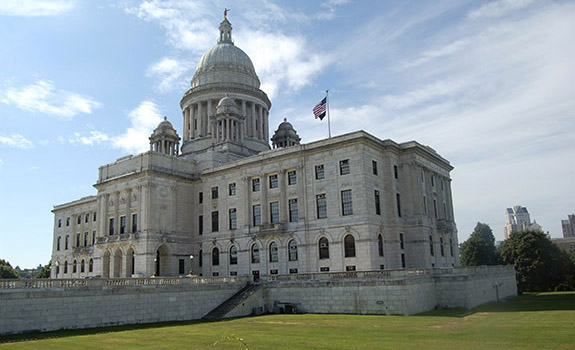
x=498, y=8
x=169, y=72
x=144, y=119
x=16, y=141
x=42, y=97
x=95, y=138
x=282, y=60
x=35, y=7
x=330, y=7
x=184, y=21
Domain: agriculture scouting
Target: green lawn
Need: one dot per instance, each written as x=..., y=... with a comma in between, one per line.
x=536, y=321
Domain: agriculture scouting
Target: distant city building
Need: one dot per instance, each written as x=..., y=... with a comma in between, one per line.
x=568, y=226
x=518, y=219
x=566, y=244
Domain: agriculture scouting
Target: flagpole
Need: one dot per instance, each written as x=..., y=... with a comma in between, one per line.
x=328, y=121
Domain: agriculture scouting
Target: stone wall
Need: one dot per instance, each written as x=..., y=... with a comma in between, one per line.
x=67, y=304
x=44, y=305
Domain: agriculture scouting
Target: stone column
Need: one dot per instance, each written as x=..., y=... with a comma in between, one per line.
x=283, y=192
x=247, y=201
x=254, y=121
x=199, y=115
x=267, y=125
x=264, y=201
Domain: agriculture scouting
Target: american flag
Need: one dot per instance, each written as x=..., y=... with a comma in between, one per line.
x=319, y=109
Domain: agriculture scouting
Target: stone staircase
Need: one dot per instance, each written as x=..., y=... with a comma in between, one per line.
x=232, y=302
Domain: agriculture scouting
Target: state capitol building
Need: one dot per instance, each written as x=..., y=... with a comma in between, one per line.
x=219, y=201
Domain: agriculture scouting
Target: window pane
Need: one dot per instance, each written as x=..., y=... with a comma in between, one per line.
x=346, y=203
x=233, y=219
x=293, y=210
x=255, y=254
x=323, y=248
x=215, y=257
x=257, y=215
x=321, y=206
x=319, y=173
x=274, y=212
x=380, y=244
x=274, y=181
x=377, y=203
x=273, y=252
x=233, y=255
x=292, y=248
x=344, y=167
x=255, y=185
x=349, y=243
x=292, y=178
x=215, y=192
x=215, y=221
x=232, y=189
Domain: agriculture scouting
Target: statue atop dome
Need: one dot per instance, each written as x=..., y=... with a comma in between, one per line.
x=226, y=13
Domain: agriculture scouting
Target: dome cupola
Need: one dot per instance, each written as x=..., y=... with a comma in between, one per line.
x=285, y=136
x=165, y=139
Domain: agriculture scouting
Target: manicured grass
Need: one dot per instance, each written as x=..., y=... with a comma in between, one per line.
x=535, y=321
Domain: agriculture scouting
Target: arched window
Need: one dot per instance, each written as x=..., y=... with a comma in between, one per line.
x=83, y=266
x=292, y=250
x=75, y=267
x=255, y=254
x=273, y=252
x=323, y=248
x=233, y=255
x=380, y=244
x=91, y=266
x=215, y=256
x=349, y=246
x=200, y=258
x=66, y=266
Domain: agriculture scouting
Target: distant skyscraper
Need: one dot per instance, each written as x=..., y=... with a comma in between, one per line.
x=568, y=226
x=518, y=219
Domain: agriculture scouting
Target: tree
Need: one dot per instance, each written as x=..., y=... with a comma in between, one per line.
x=537, y=261
x=6, y=270
x=479, y=249
x=45, y=271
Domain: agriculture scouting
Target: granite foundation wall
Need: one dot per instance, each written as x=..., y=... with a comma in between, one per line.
x=68, y=304
x=45, y=305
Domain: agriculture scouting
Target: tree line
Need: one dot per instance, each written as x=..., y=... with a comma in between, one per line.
x=540, y=265
x=9, y=272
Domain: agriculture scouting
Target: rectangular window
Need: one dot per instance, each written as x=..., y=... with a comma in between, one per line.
x=274, y=181
x=319, y=172
x=432, y=180
x=445, y=211
x=87, y=218
x=292, y=177
x=59, y=222
x=321, y=206
x=67, y=242
x=442, y=185
x=274, y=212
x=122, y=224
x=350, y=268
x=201, y=197
x=395, y=172
x=293, y=210
x=93, y=237
x=215, y=221
x=398, y=202
x=374, y=167
x=232, y=189
x=377, y=202
x=233, y=219
x=233, y=273
x=344, y=167
x=94, y=216
x=273, y=272
x=255, y=185
x=257, y=215
x=424, y=205
x=435, y=208
x=401, y=241
x=346, y=203
x=215, y=192
x=292, y=270
x=86, y=236
x=67, y=221
x=111, y=226
x=182, y=267
x=201, y=225
x=79, y=219
x=403, y=260
x=324, y=269
x=77, y=239
x=134, y=223
x=58, y=244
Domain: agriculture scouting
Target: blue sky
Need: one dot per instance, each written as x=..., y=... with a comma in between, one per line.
x=488, y=84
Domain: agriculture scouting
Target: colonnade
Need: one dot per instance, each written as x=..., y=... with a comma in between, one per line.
x=197, y=121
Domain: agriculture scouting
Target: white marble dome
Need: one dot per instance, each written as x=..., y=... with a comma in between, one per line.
x=225, y=63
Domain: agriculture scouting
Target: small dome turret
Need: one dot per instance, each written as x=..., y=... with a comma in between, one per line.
x=285, y=136
x=227, y=105
x=165, y=139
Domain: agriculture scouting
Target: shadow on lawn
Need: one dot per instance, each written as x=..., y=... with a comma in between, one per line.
x=527, y=302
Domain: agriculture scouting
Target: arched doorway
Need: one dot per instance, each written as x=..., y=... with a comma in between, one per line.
x=162, y=261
